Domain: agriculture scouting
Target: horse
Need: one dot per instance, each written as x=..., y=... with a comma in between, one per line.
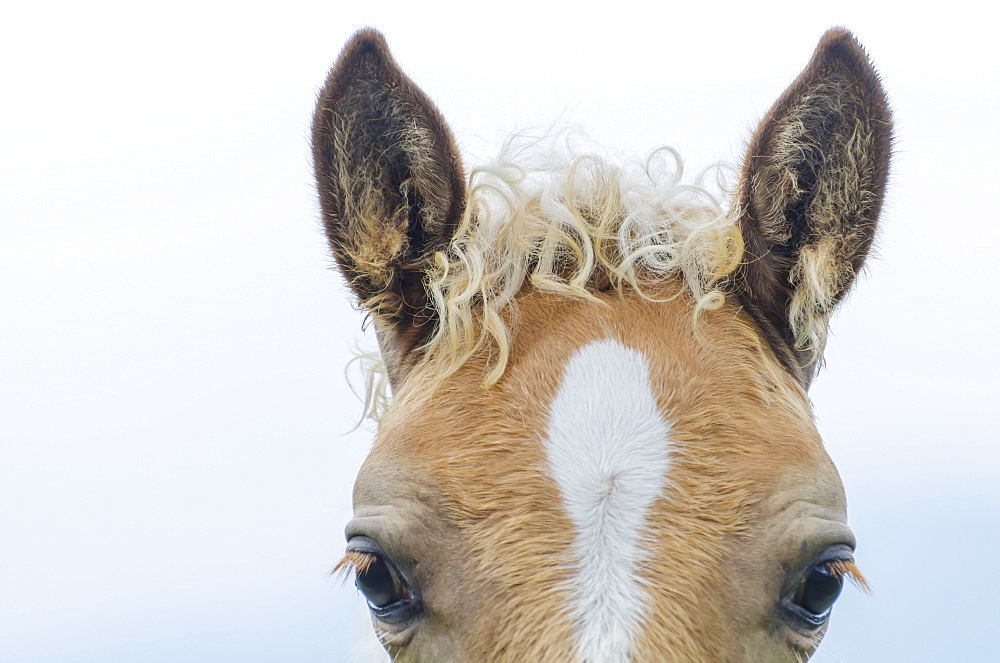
x=599, y=445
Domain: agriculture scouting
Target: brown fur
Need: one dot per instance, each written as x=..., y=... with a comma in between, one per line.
x=391, y=186
x=814, y=174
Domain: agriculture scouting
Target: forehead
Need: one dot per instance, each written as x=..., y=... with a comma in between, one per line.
x=623, y=438
x=713, y=378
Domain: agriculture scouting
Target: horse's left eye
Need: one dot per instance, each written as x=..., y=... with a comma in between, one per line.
x=381, y=584
x=390, y=597
x=818, y=591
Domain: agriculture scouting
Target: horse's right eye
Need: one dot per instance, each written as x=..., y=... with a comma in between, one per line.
x=818, y=589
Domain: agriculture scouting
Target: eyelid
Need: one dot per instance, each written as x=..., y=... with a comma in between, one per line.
x=360, y=543
x=838, y=560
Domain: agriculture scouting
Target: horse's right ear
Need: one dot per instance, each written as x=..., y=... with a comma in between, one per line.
x=391, y=187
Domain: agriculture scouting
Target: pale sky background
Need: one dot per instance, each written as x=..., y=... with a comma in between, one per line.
x=175, y=467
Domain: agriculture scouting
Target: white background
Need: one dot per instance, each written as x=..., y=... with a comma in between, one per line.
x=175, y=466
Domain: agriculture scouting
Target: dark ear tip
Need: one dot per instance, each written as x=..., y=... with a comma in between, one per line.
x=838, y=36
x=839, y=49
x=839, y=45
x=366, y=49
x=366, y=41
x=365, y=57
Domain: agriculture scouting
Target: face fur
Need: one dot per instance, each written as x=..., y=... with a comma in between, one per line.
x=609, y=489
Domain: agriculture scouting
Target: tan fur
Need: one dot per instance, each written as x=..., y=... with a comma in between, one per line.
x=734, y=410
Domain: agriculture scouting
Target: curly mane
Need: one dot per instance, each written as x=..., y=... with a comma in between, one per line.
x=546, y=215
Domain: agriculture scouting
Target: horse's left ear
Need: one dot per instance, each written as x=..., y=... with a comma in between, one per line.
x=809, y=197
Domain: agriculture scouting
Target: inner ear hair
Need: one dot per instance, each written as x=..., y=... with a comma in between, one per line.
x=811, y=190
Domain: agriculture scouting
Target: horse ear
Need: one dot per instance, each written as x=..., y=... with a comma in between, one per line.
x=810, y=195
x=391, y=188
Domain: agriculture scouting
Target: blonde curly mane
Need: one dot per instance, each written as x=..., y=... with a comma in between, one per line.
x=547, y=215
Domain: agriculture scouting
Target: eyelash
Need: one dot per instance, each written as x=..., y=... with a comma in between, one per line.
x=354, y=562
x=846, y=567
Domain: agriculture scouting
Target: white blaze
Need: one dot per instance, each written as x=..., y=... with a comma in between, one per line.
x=608, y=450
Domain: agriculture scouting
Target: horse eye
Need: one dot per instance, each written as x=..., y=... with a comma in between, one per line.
x=818, y=591
x=389, y=595
x=811, y=599
x=381, y=583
